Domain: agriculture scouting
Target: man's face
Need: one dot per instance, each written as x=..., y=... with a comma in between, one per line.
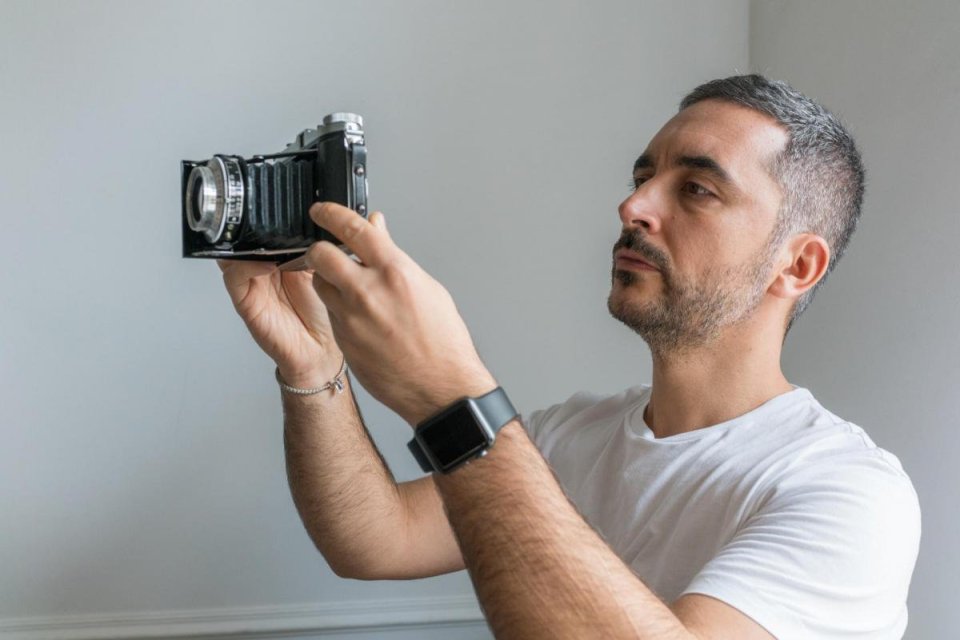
x=701, y=214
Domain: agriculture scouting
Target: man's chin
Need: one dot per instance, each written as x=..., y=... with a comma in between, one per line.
x=661, y=333
x=632, y=309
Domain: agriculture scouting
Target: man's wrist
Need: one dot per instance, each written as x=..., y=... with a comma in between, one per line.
x=313, y=377
x=470, y=387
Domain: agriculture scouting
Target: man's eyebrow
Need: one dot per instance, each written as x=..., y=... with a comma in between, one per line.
x=708, y=164
x=704, y=163
x=643, y=162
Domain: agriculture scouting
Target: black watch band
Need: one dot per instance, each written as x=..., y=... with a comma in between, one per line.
x=461, y=432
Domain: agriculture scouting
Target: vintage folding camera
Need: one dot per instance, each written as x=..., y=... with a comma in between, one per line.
x=257, y=208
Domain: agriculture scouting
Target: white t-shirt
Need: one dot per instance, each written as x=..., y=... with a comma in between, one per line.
x=788, y=513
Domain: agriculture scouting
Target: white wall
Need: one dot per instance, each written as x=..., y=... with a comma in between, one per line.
x=879, y=346
x=141, y=468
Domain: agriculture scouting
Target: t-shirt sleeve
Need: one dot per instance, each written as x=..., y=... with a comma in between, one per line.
x=829, y=554
x=533, y=423
x=545, y=426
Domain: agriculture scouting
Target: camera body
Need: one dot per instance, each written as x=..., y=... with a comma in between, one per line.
x=257, y=208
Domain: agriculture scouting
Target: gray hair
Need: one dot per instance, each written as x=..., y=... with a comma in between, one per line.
x=819, y=170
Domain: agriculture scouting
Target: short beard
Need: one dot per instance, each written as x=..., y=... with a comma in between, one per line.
x=690, y=314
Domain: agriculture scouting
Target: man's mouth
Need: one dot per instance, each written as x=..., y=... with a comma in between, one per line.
x=629, y=260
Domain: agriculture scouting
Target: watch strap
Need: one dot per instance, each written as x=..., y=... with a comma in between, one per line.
x=420, y=455
x=497, y=409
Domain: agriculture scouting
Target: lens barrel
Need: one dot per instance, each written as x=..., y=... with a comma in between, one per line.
x=215, y=197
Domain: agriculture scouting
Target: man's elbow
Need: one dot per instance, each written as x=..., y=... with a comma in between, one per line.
x=344, y=567
x=356, y=567
x=350, y=572
x=380, y=568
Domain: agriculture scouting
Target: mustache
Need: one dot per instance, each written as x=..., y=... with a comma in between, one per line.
x=634, y=241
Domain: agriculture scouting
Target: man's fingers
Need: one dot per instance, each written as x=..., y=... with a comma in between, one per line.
x=333, y=265
x=378, y=220
x=298, y=285
x=369, y=242
x=238, y=275
x=238, y=270
x=329, y=295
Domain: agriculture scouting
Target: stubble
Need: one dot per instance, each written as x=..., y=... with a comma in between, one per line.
x=686, y=314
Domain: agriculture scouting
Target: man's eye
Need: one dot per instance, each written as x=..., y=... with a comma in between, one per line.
x=695, y=189
x=635, y=182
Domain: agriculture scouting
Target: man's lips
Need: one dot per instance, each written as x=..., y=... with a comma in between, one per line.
x=629, y=259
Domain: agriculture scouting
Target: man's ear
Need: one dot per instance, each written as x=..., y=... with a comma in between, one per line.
x=804, y=259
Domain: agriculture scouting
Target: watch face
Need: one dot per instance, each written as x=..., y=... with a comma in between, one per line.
x=453, y=436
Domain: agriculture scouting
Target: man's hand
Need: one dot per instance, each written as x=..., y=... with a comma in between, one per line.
x=286, y=318
x=399, y=328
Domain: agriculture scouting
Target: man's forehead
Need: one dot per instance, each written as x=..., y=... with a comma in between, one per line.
x=738, y=138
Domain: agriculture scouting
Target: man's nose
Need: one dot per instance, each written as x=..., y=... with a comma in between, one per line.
x=640, y=210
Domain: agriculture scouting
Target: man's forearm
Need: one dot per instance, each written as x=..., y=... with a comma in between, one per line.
x=538, y=568
x=342, y=487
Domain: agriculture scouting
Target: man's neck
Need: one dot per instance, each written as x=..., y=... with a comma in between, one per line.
x=708, y=385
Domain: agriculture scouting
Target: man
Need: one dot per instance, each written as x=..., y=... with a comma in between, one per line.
x=721, y=488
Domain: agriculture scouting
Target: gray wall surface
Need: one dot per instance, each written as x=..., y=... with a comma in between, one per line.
x=879, y=346
x=141, y=467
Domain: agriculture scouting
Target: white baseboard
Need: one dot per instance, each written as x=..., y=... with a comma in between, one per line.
x=251, y=621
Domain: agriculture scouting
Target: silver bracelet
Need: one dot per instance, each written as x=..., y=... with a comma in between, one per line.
x=336, y=384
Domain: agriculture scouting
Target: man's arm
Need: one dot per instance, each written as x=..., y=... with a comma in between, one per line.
x=540, y=571
x=364, y=523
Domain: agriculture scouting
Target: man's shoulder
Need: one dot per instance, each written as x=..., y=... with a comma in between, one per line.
x=823, y=442
x=841, y=455
x=820, y=460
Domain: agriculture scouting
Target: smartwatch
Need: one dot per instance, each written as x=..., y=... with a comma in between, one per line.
x=463, y=431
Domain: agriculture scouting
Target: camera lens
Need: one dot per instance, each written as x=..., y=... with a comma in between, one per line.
x=202, y=195
x=214, y=197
